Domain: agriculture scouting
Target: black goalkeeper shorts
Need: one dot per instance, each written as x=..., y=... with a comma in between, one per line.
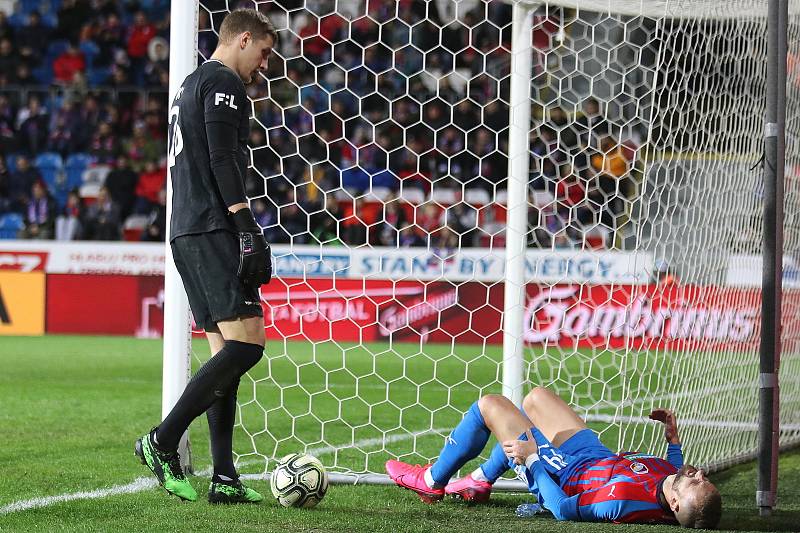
x=207, y=263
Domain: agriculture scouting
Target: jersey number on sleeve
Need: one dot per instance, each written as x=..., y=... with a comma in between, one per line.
x=176, y=142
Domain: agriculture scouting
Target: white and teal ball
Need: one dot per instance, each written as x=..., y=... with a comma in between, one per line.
x=299, y=480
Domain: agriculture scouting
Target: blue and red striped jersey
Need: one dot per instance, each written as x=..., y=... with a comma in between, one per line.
x=622, y=488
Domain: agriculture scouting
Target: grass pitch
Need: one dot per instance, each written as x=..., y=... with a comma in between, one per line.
x=71, y=407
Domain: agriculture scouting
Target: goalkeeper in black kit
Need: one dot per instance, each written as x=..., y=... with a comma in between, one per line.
x=219, y=250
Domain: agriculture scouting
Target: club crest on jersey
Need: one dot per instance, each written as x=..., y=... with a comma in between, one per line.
x=225, y=99
x=639, y=468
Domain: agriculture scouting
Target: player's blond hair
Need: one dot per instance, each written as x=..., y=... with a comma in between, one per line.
x=241, y=20
x=706, y=511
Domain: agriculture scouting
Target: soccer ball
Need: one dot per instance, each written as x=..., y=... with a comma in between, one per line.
x=299, y=480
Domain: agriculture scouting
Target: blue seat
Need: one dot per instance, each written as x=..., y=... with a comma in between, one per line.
x=75, y=166
x=355, y=179
x=50, y=166
x=56, y=48
x=10, y=225
x=386, y=178
x=43, y=74
x=90, y=51
x=11, y=162
x=97, y=76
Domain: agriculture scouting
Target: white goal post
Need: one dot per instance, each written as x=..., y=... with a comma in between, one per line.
x=478, y=196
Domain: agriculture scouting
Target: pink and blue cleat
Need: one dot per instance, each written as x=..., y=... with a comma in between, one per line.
x=469, y=490
x=412, y=477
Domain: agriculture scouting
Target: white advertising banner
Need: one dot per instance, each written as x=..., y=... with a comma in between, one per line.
x=746, y=271
x=474, y=264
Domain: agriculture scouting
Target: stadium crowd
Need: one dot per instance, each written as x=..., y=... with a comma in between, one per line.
x=419, y=161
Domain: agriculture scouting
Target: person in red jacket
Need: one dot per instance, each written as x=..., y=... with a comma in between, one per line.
x=67, y=64
x=139, y=37
x=151, y=181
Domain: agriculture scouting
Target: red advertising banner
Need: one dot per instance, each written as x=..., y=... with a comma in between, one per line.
x=351, y=310
x=111, y=305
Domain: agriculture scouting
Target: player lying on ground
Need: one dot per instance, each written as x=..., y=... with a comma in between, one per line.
x=574, y=475
x=219, y=251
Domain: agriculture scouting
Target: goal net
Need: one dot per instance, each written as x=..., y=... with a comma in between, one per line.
x=380, y=173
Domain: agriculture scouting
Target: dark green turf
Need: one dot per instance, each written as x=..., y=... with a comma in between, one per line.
x=70, y=408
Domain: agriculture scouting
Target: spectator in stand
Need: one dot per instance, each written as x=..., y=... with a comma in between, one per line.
x=33, y=129
x=444, y=242
x=592, y=125
x=430, y=219
x=139, y=38
x=68, y=223
x=5, y=183
x=325, y=222
x=393, y=219
x=102, y=220
x=8, y=139
x=121, y=186
x=293, y=221
x=611, y=167
x=39, y=213
x=354, y=224
x=21, y=184
x=71, y=16
x=151, y=180
x=67, y=64
x=462, y=219
x=8, y=58
x=60, y=138
x=156, y=229
x=411, y=235
x=158, y=56
x=572, y=206
x=23, y=75
x=110, y=38
x=29, y=40
x=104, y=145
x=6, y=31
x=141, y=148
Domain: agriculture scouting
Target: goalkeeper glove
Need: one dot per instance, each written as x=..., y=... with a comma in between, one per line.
x=255, y=257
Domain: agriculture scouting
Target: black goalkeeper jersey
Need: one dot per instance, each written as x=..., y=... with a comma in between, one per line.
x=213, y=92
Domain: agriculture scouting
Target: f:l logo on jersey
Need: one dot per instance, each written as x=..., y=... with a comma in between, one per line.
x=225, y=98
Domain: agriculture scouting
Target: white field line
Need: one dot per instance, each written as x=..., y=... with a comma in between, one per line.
x=142, y=484
x=672, y=396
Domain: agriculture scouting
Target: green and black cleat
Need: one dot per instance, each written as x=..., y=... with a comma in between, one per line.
x=233, y=492
x=166, y=465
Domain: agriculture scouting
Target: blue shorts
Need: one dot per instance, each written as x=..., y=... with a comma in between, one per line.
x=581, y=448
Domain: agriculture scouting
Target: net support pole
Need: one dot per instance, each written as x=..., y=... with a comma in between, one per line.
x=770, y=346
x=177, y=321
x=517, y=219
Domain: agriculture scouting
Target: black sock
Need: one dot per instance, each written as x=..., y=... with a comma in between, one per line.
x=212, y=382
x=221, y=419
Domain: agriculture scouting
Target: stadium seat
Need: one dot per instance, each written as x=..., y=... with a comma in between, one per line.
x=95, y=175
x=501, y=197
x=385, y=178
x=133, y=227
x=379, y=194
x=443, y=196
x=50, y=165
x=10, y=225
x=11, y=162
x=97, y=76
x=355, y=179
x=476, y=197
x=412, y=195
x=90, y=51
x=542, y=198
x=75, y=166
x=56, y=48
x=43, y=74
